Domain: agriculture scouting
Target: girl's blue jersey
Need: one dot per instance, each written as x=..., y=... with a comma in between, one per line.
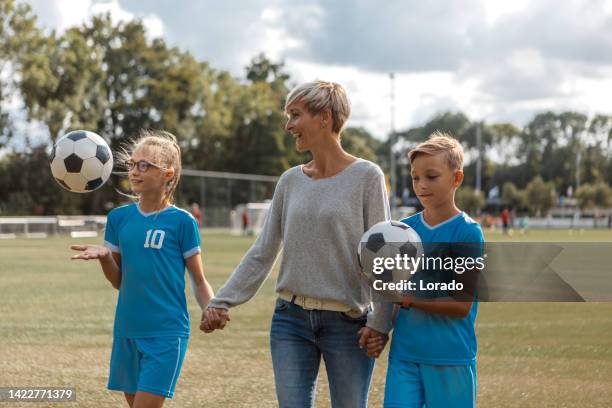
x=429, y=338
x=153, y=249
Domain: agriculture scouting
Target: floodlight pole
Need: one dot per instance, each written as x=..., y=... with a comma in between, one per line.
x=578, y=157
x=391, y=142
x=479, y=156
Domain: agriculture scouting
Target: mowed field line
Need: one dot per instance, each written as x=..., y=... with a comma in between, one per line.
x=57, y=316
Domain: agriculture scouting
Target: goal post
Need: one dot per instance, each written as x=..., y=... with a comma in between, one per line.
x=219, y=194
x=249, y=218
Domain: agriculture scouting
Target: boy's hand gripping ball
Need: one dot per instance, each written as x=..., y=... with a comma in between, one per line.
x=384, y=256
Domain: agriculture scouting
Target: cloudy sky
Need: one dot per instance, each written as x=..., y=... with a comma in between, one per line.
x=495, y=60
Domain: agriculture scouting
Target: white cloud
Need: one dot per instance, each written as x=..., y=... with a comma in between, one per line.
x=59, y=14
x=418, y=96
x=495, y=9
x=269, y=36
x=72, y=12
x=277, y=41
x=113, y=8
x=154, y=25
x=491, y=59
x=271, y=15
x=63, y=14
x=593, y=94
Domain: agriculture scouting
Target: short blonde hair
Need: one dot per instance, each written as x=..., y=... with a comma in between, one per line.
x=441, y=142
x=318, y=96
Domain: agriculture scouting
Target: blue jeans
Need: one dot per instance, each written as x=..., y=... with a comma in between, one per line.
x=298, y=339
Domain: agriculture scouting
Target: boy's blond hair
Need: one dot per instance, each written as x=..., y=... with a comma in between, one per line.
x=441, y=142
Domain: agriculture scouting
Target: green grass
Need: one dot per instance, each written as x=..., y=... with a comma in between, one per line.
x=57, y=316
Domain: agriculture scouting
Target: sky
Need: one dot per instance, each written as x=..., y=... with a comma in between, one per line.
x=494, y=60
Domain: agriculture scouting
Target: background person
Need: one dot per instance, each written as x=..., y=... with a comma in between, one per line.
x=245, y=221
x=197, y=213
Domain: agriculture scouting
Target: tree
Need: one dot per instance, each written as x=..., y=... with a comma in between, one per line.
x=505, y=138
x=469, y=200
x=29, y=188
x=111, y=79
x=360, y=143
x=255, y=140
x=257, y=143
x=594, y=196
x=551, y=142
x=603, y=195
x=456, y=124
x=261, y=69
x=18, y=36
x=540, y=196
x=512, y=196
x=601, y=131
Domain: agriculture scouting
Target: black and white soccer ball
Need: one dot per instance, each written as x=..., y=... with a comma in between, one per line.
x=81, y=161
x=388, y=239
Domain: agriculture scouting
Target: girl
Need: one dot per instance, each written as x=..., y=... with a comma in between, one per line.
x=147, y=245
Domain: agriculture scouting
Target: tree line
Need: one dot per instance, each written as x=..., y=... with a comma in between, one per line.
x=113, y=79
x=556, y=154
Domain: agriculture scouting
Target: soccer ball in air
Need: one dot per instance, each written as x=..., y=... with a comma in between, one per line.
x=388, y=239
x=81, y=161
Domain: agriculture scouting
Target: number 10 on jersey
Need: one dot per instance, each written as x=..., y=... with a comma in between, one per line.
x=154, y=239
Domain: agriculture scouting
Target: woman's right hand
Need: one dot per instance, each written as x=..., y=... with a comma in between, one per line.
x=90, y=252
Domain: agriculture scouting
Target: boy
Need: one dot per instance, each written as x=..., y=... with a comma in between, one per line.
x=432, y=361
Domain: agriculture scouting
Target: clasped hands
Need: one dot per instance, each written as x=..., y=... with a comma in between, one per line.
x=373, y=341
x=213, y=319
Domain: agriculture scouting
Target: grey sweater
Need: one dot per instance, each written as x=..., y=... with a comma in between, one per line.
x=319, y=223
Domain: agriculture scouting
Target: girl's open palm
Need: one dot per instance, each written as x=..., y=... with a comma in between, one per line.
x=90, y=252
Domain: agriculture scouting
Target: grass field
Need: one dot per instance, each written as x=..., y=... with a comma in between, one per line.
x=57, y=316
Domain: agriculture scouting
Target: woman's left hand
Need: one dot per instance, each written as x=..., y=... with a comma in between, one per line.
x=374, y=341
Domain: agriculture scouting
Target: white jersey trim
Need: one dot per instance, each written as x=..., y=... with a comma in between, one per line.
x=112, y=247
x=191, y=252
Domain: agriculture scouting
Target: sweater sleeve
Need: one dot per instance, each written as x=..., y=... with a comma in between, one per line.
x=376, y=209
x=256, y=265
x=376, y=202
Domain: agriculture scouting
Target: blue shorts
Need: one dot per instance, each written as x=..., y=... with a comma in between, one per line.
x=146, y=364
x=414, y=385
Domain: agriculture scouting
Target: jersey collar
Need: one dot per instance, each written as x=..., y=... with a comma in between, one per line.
x=147, y=214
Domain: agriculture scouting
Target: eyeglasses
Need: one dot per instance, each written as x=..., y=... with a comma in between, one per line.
x=142, y=165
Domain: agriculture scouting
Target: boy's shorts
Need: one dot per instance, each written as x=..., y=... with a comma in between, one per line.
x=146, y=364
x=414, y=385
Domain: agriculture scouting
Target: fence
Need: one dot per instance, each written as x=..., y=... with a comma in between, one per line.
x=42, y=227
x=219, y=193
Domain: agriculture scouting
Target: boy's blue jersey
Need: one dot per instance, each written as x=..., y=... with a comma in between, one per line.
x=428, y=338
x=153, y=250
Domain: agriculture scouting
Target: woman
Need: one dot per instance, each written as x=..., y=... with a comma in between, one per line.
x=318, y=213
